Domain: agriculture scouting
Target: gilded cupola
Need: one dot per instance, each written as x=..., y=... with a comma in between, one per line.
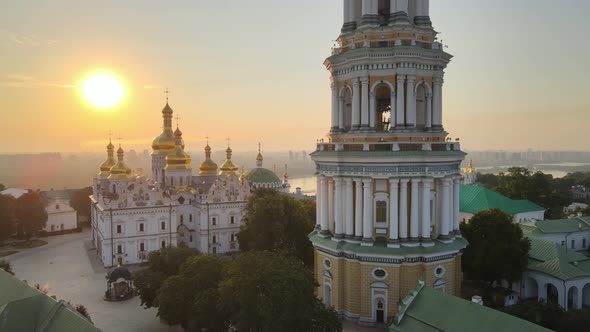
x=208, y=167
x=178, y=159
x=228, y=167
x=120, y=171
x=105, y=167
x=164, y=143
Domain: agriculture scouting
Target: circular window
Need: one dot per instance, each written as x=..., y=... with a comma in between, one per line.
x=379, y=274
x=327, y=264
x=439, y=271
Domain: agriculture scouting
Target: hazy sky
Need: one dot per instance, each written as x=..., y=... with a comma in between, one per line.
x=252, y=70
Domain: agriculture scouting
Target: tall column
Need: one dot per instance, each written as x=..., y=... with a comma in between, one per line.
x=318, y=218
x=365, y=103
x=437, y=103
x=358, y=212
x=456, y=201
x=403, y=210
x=411, y=103
x=324, y=206
x=401, y=103
x=393, y=113
x=369, y=9
x=426, y=218
x=368, y=211
x=428, y=110
x=341, y=113
x=414, y=216
x=356, y=104
x=349, y=208
x=335, y=106
x=422, y=13
x=399, y=12
x=372, y=110
x=331, y=205
x=339, y=227
x=393, y=212
x=349, y=22
x=445, y=210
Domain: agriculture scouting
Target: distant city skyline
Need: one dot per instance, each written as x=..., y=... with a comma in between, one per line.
x=254, y=72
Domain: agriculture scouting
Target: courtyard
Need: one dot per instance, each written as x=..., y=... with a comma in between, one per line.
x=69, y=270
x=65, y=269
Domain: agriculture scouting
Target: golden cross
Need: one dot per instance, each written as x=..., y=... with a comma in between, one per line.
x=119, y=138
x=167, y=92
x=177, y=118
x=110, y=135
x=207, y=138
x=258, y=147
x=228, y=140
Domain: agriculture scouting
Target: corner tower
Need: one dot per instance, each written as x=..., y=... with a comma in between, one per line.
x=388, y=176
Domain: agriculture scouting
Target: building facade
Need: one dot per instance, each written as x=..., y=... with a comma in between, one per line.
x=133, y=215
x=388, y=176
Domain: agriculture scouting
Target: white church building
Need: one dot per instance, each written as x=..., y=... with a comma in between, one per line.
x=133, y=215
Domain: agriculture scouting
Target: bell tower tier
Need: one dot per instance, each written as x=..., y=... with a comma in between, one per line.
x=388, y=175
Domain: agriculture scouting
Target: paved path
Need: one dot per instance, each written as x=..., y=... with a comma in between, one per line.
x=63, y=267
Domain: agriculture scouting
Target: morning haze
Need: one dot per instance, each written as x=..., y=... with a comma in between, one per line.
x=515, y=83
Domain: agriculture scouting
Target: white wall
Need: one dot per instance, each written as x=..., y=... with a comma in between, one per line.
x=60, y=216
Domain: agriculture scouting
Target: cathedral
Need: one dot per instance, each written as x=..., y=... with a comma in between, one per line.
x=388, y=177
x=132, y=214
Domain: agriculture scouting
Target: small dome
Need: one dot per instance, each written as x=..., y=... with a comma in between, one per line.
x=167, y=109
x=228, y=168
x=177, y=132
x=262, y=175
x=106, y=166
x=208, y=167
x=120, y=171
x=120, y=272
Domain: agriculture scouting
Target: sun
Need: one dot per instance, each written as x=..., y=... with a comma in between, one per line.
x=103, y=90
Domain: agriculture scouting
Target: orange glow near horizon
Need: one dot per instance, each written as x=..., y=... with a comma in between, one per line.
x=102, y=90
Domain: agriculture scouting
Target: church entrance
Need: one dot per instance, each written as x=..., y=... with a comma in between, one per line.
x=380, y=312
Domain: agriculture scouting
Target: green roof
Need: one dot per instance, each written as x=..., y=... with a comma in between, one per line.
x=429, y=310
x=553, y=259
x=474, y=199
x=563, y=225
x=262, y=175
x=23, y=308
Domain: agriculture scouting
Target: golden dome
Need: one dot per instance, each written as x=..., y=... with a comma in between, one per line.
x=105, y=167
x=120, y=171
x=178, y=159
x=164, y=143
x=259, y=157
x=208, y=167
x=228, y=166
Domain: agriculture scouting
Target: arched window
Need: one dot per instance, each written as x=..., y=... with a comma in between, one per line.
x=181, y=218
x=381, y=212
x=114, y=189
x=190, y=217
x=214, y=239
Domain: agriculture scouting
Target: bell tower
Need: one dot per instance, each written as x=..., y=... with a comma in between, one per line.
x=388, y=175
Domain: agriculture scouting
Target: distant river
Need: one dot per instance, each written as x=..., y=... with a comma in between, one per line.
x=308, y=184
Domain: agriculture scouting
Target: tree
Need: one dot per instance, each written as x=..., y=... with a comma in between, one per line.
x=162, y=264
x=191, y=297
x=30, y=213
x=5, y=265
x=497, y=249
x=2, y=187
x=278, y=223
x=263, y=291
x=489, y=181
x=80, y=201
x=539, y=188
x=7, y=208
